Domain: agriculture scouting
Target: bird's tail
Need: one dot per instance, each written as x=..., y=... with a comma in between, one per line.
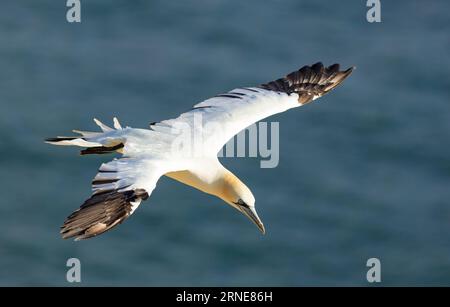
x=107, y=141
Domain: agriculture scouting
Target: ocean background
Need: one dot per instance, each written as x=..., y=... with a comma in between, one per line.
x=364, y=172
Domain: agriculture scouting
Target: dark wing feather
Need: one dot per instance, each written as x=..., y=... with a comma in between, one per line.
x=101, y=212
x=310, y=82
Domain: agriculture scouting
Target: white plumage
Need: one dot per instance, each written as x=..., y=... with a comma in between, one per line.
x=185, y=148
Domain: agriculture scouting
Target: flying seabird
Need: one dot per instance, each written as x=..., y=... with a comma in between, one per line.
x=164, y=150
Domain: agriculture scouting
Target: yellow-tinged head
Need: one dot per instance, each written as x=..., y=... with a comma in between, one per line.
x=235, y=193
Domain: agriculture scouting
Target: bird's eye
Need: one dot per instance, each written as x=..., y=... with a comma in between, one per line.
x=240, y=202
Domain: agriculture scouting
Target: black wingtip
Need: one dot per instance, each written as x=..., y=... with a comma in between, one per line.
x=101, y=150
x=350, y=69
x=310, y=82
x=59, y=139
x=101, y=213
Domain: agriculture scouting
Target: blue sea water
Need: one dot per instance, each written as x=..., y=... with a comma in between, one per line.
x=364, y=172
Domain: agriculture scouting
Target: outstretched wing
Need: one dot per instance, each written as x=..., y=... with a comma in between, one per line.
x=120, y=185
x=118, y=189
x=219, y=118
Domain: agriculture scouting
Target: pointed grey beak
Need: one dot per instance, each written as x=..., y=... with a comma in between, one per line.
x=253, y=216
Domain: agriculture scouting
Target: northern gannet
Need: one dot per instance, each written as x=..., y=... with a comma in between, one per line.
x=147, y=154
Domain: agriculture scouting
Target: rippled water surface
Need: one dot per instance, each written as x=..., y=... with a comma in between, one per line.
x=364, y=172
